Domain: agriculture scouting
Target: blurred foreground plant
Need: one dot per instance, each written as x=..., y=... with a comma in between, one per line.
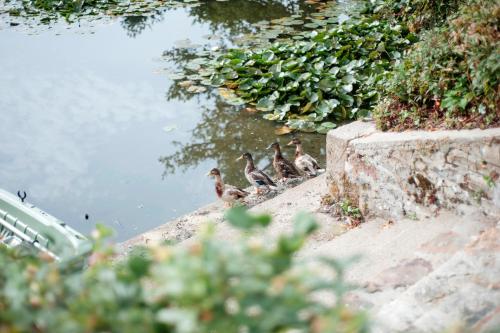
x=207, y=285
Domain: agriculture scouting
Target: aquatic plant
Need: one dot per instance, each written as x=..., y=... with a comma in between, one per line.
x=208, y=285
x=313, y=82
x=50, y=10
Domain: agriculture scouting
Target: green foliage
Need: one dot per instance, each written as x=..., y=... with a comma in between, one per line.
x=350, y=210
x=329, y=76
x=490, y=179
x=418, y=14
x=450, y=78
x=207, y=285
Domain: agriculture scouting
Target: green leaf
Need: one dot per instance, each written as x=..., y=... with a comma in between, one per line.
x=327, y=84
x=139, y=265
x=304, y=224
x=264, y=104
x=301, y=125
x=267, y=55
x=217, y=80
x=324, y=127
x=347, y=87
x=304, y=77
x=241, y=219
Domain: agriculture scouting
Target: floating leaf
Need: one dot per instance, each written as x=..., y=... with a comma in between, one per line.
x=282, y=130
x=196, y=89
x=309, y=77
x=347, y=87
x=267, y=55
x=217, y=80
x=264, y=104
x=327, y=84
x=271, y=116
x=185, y=84
x=302, y=125
x=325, y=127
x=230, y=97
x=176, y=76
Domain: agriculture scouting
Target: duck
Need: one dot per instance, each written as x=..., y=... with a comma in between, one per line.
x=258, y=178
x=227, y=193
x=284, y=168
x=304, y=162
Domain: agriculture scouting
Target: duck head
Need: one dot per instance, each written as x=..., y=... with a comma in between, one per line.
x=245, y=156
x=213, y=173
x=274, y=145
x=295, y=141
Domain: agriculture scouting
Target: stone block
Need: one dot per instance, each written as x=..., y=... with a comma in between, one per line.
x=337, y=147
x=391, y=174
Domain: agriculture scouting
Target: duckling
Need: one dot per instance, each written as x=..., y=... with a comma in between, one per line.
x=284, y=168
x=304, y=162
x=227, y=193
x=256, y=177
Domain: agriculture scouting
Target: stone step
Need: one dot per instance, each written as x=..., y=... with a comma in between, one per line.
x=403, y=259
x=462, y=292
x=303, y=197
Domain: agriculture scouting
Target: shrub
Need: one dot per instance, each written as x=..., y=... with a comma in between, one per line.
x=419, y=14
x=451, y=77
x=207, y=285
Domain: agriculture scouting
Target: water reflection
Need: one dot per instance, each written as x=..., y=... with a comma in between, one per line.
x=225, y=132
x=83, y=114
x=224, y=18
x=236, y=16
x=134, y=25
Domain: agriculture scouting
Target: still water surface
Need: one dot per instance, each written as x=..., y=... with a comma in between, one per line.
x=90, y=123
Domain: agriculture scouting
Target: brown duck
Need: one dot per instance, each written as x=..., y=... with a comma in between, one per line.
x=284, y=168
x=258, y=178
x=304, y=162
x=227, y=193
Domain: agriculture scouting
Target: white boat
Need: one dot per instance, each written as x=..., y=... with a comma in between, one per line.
x=24, y=225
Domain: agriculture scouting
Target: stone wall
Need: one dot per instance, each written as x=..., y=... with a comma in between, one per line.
x=395, y=174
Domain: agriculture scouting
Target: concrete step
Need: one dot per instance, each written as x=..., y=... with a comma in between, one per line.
x=305, y=197
x=423, y=276
x=289, y=200
x=463, y=292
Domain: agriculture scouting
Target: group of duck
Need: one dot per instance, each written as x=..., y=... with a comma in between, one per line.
x=303, y=165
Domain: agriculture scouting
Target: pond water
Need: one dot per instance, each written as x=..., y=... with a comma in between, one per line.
x=91, y=124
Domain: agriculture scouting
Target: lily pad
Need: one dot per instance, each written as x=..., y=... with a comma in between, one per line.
x=265, y=104
x=196, y=89
x=324, y=127
x=230, y=97
x=283, y=130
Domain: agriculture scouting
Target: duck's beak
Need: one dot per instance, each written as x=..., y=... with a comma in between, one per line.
x=290, y=143
x=270, y=146
x=239, y=158
x=208, y=174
